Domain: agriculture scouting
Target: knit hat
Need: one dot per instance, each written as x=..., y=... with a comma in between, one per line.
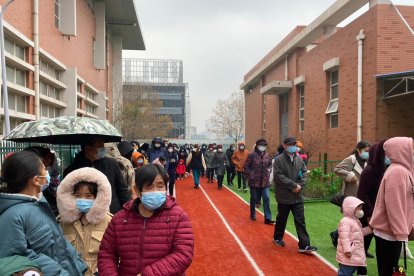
x=124, y=148
x=261, y=141
x=210, y=146
x=219, y=146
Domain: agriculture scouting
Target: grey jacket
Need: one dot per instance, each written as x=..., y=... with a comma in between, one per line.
x=210, y=159
x=287, y=175
x=221, y=159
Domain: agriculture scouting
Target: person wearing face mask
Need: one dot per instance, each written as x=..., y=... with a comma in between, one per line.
x=350, y=169
x=173, y=161
x=350, y=252
x=369, y=184
x=238, y=159
x=83, y=200
x=157, y=149
x=159, y=230
x=257, y=169
x=230, y=169
x=211, y=163
x=392, y=219
x=289, y=172
x=221, y=160
x=93, y=154
x=29, y=225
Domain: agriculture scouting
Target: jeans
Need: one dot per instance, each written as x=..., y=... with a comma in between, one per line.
x=298, y=212
x=346, y=270
x=388, y=254
x=196, y=176
x=240, y=177
x=255, y=193
x=220, y=180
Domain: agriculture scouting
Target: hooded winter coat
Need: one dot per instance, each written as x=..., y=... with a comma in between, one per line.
x=136, y=156
x=154, y=153
x=29, y=229
x=257, y=168
x=393, y=215
x=85, y=238
x=351, y=235
x=110, y=168
x=160, y=245
x=124, y=164
x=239, y=157
x=229, y=154
x=221, y=160
x=371, y=177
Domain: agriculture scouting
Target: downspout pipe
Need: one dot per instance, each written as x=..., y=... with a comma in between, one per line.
x=36, y=81
x=360, y=38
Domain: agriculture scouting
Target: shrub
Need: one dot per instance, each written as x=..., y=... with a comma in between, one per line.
x=320, y=185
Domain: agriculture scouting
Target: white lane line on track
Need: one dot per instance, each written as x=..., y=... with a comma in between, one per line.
x=325, y=261
x=236, y=238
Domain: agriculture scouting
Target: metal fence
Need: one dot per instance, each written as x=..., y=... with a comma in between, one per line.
x=64, y=153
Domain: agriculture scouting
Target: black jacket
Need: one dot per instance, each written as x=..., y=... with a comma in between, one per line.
x=287, y=175
x=109, y=167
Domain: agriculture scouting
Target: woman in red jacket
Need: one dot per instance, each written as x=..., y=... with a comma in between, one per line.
x=152, y=235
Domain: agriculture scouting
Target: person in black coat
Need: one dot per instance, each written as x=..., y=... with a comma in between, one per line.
x=230, y=168
x=93, y=154
x=172, y=166
x=369, y=184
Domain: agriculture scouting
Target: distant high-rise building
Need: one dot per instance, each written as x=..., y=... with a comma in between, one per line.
x=165, y=79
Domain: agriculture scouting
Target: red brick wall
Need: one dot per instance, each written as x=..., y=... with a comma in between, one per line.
x=388, y=47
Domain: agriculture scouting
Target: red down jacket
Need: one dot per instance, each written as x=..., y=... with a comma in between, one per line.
x=160, y=245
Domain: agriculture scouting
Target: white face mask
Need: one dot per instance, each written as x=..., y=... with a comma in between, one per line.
x=170, y=150
x=220, y=150
x=359, y=214
x=261, y=148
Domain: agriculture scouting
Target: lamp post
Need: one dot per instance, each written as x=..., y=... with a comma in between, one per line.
x=3, y=70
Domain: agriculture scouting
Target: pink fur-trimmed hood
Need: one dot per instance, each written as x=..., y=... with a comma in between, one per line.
x=66, y=200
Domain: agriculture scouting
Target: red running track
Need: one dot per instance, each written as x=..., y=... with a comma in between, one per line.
x=216, y=249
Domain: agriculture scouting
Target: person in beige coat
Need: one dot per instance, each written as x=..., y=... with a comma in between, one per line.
x=83, y=200
x=350, y=169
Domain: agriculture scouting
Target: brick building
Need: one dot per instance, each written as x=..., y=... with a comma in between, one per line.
x=79, y=44
x=308, y=85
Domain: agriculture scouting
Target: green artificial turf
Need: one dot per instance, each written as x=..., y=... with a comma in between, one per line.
x=321, y=219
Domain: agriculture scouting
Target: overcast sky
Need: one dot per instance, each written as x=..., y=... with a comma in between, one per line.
x=219, y=41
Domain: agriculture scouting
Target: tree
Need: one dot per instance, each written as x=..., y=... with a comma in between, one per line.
x=311, y=142
x=138, y=115
x=228, y=117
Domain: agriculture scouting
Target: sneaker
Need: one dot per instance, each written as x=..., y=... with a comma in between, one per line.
x=245, y=190
x=239, y=189
x=269, y=221
x=307, y=249
x=279, y=243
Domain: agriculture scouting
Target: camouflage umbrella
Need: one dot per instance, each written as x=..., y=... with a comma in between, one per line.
x=68, y=130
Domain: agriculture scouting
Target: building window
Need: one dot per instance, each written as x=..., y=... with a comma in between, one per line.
x=90, y=94
x=333, y=120
x=49, y=111
x=91, y=109
x=57, y=13
x=49, y=69
x=16, y=102
x=79, y=87
x=50, y=91
x=302, y=108
x=332, y=109
x=14, y=49
x=78, y=103
x=16, y=76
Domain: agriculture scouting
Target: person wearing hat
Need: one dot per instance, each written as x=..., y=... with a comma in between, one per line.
x=157, y=149
x=238, y=158
x=289, y=173
x=211, y=163
x=257, y=169
x=221, y=159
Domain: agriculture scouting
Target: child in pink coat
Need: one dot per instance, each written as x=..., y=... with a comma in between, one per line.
x=180, y=169
x=350, y=252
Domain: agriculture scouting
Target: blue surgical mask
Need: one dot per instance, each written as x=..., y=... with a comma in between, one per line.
x=47, y=177
x=140, y=161
x=292, y=149
x=84, y=205
x=364, y=155
x=153, y=200
x=101, y=153
x=387, y=161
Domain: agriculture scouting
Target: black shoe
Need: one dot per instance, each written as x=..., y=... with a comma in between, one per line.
x=219, y=188
x=279, y=243
x=369, y=255
x=196, y=187
x=254, y=219
x=269, y=221
x=307, y=249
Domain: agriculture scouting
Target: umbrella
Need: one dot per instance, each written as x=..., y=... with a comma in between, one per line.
x=69, y=130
